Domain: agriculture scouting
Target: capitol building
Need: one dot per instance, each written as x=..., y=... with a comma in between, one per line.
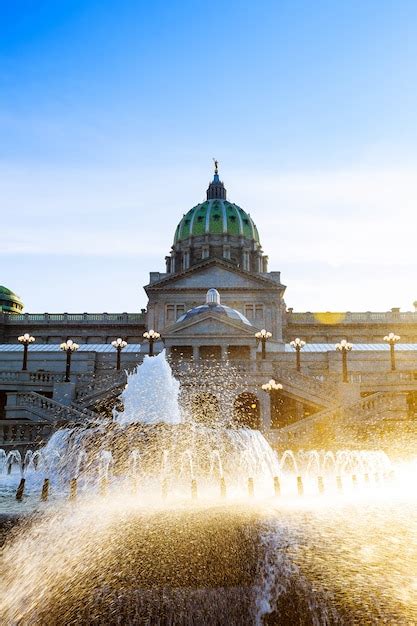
x=220, y=313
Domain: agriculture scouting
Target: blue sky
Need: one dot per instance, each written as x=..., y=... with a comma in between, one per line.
x=110, y=114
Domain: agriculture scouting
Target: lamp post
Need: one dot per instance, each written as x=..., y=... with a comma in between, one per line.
x=119, y=344
x=25, y=339
x=344, y=347
x=298, y=345
x=271, y=385
x=392, y=339
x=151, y=336
x=263, y=336
x=69, y=346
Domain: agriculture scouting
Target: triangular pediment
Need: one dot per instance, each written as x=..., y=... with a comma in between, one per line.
x=210, y=325
x=215, y=274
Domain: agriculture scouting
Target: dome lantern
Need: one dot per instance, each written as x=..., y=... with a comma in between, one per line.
x=213, y=297
x=216, y=189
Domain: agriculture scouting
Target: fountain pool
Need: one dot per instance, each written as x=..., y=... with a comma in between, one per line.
x=166, y=521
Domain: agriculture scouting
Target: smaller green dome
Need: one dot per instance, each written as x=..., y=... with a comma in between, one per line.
x=9, y=301
x=216, y=217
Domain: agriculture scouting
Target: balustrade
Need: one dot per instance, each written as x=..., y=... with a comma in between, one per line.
x=359, y=317
x=13, y=432
x=126, y=318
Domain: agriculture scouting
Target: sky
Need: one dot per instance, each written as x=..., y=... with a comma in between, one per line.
x=111, y=113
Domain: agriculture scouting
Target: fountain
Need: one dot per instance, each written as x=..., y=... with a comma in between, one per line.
x=151, y=517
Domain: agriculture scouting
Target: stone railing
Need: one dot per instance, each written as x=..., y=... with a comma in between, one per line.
x=100, y=387
x=15, y=433
x=324, y=390
x=47, y=318
x=52, y=411
x=383, y=377
x=348, y=317
x=367, y=411
x=41, y=378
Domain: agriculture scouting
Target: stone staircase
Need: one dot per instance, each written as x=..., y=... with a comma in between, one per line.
x=308, y=388
x=337, y=423
x=41, y=416
x=101, y=388
x=44, y=409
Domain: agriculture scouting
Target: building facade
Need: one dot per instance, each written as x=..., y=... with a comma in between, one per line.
x=215, y=295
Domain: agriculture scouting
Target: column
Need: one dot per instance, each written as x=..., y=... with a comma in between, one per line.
x=265, y=407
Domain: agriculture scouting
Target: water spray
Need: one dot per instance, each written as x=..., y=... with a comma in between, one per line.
x=300, y=486
x=194, y=492
x=73, y=489
x=251, y=489
x=222, y=487
x=103, y=486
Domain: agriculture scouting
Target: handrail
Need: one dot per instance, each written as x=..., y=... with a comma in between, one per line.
x=99, y=387
x=363, y=407
x=348, y=317
x=126, y=318
x=52, y=410
x=323, y=389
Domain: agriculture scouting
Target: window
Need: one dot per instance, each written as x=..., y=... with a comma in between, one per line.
x=226, y=252
x=254, y=312
x=186, y=260
x=246, y=260
x=259, y=311
x=173, y=312
x=205, y=252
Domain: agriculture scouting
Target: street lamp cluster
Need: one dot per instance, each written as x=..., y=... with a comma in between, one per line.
x=263, y=336
x=344, y=347
x=298, y=344
x=271, y=385
x=118, y=344
x=69, y=346
x=152, y=336
x=392, y=339
x=25, y=339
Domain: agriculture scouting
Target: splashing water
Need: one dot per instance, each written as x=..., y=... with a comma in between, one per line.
x=135, y=544
x=151, y=394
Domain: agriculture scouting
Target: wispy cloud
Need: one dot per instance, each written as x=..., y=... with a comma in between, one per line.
x=339, y=236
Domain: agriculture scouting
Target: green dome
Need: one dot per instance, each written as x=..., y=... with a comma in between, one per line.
x=9, y=301
x=216, y=217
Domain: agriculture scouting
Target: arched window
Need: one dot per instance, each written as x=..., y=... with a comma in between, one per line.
x=205, y=408
x=246, y=411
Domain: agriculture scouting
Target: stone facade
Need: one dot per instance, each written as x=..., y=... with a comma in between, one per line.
x=220, y=251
